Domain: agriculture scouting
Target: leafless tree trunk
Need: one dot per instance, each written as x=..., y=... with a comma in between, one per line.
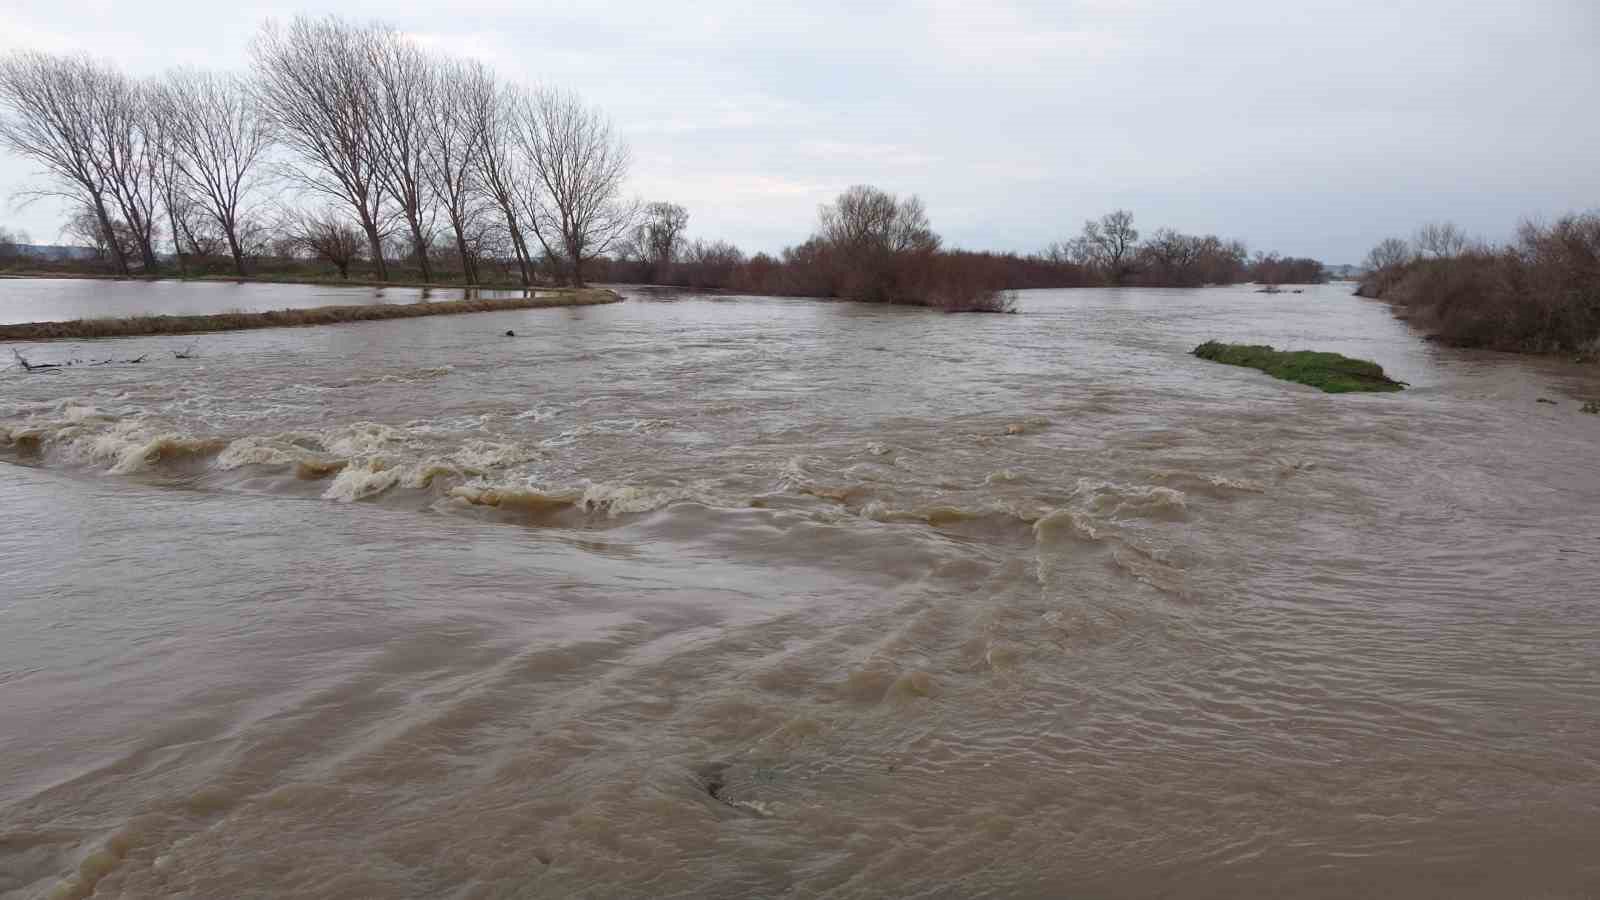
x=127, y=159
x=170, y=187
x=315, y=83
x=493, y=109
x=578, y=164
x=451, y=142
x=401, y=77
x=216, y=136
x=49, y=105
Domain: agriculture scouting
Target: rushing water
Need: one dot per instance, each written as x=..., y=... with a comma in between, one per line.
x=64, y=299
x=735, y=597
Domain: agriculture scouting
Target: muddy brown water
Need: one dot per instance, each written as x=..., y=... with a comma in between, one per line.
x=740, y=597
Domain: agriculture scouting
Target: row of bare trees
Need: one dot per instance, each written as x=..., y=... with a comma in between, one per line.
x=1110, y=250
x=373, y=135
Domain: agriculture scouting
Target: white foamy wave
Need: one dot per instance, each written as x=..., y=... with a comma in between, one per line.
x=362, y=439
x=621, y=499
x=491, y=455
x=359, y=481
x=1115, y=500
x=284, y=448
x=606, y=427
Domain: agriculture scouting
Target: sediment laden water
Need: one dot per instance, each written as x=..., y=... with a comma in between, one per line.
x=739, y=597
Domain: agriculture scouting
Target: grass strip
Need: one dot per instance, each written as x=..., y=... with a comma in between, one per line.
x=1331, y=372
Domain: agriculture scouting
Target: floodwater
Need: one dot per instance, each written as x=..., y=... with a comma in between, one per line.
x=739, y=597
x=64, y=299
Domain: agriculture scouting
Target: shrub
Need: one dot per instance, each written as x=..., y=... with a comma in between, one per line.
x=1540, y=294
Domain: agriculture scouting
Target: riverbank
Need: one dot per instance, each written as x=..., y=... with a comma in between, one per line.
x=1539, y=294
x=131, y=326
x=286, y=278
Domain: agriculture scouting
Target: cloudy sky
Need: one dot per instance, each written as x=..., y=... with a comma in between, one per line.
x=1312, y=127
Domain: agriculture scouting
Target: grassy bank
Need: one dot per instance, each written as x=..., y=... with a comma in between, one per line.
x=271, y=278
x=290, y=318
x=1329, y=371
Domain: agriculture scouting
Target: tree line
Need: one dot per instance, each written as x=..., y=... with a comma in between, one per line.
x=392, y=152
x=398, y=161
x=1538, y=293
x=873, y=245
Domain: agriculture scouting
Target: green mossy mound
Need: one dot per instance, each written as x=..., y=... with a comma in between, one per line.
x=1329, y=371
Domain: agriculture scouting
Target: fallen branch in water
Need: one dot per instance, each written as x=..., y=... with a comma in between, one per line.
x=187, y=352
x=127, y=362
x=32, y=367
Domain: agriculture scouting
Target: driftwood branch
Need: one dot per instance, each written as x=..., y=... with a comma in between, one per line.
x=32, y=367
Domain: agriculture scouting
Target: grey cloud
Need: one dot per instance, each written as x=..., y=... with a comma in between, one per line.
x=1313, y=127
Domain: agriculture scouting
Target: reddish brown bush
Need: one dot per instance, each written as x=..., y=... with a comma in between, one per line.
x=1540, y=294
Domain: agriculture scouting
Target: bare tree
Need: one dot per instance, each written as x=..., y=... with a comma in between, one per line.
x=171, y=188
x=1109, y=243
x=871, y=245
x=49, y=105
x=84, y=229
x=315, y=83
x=865, y=219
x=127, y=156
x=497, y=162
x=711, y=264
x=1440, y=240
x=325, y=235
x=216, y=135
x=451, y=142
x=1390, y=253
x=656, y=240
x=578, y=165
x=402, y=82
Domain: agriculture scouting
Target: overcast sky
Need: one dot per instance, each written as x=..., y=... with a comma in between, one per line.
x=1312, y=127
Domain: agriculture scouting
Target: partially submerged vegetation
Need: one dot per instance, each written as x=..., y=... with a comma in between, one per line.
x=1538, y=294
x=288, y=318
x=840, y=261
x=1331, y=372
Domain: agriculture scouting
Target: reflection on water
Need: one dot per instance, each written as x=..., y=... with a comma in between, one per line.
x=731, y=597
x=64, y=299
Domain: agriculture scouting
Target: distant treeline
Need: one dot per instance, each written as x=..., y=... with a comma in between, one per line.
x=1540, y=293
x=871, y=245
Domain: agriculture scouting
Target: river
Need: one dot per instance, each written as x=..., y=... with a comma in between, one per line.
x=699, y=596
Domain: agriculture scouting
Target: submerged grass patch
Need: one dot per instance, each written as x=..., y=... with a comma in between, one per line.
x=1329, y=371
x=287, y=318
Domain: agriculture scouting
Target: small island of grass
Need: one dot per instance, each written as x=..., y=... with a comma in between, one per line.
x=1329, y=371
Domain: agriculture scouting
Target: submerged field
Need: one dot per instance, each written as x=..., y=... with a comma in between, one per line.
x=132, y=326
x=731, y=597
